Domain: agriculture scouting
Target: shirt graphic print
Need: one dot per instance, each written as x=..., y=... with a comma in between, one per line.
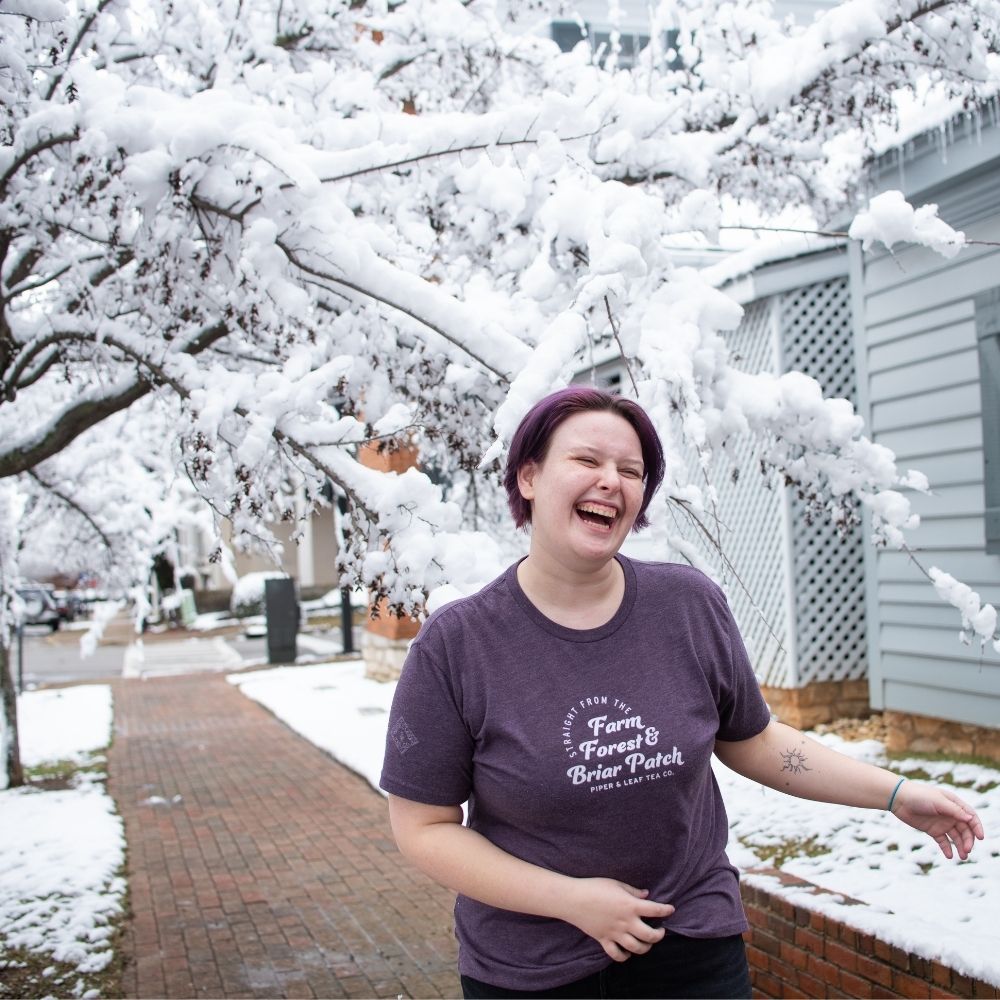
x=618, y=749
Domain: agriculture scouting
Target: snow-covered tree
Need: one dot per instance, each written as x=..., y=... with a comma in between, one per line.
x=238, y=238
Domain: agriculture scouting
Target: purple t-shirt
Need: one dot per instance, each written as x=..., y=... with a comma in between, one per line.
x=584, y=751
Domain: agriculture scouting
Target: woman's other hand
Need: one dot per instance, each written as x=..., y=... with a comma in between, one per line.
x=612, y=913
x=940, y=814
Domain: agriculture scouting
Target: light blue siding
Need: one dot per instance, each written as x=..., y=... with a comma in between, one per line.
x=961, y=440
x=947, y=403
x=917, y=346
x=903, y=381
x=927, y=346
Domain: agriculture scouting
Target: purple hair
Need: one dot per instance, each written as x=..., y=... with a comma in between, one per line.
x=534, y=434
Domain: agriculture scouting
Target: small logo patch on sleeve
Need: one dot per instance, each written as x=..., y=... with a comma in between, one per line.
x=403, y=736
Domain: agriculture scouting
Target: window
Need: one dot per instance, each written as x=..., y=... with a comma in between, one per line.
x=568, y=34
x=988, y=334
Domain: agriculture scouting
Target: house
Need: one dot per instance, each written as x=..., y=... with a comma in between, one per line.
x=927, y=348
x=835, y=626
x=913, y=339
x=595, y=21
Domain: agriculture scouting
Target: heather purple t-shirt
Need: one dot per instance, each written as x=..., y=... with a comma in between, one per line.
x=584, y=751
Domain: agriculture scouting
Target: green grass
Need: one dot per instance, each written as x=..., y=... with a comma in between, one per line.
x=33, y=975
x=920, y=774
x=786, y=850
x=63, y=772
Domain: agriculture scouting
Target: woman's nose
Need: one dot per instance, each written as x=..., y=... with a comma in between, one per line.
x=609, y=478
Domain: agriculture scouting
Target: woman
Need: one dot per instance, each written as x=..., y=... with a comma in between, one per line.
x=575, y=702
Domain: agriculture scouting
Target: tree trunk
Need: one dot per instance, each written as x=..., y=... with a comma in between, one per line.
x=8, y=725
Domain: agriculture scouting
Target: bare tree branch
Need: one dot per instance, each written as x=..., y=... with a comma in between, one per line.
x=81, y=416
x=73, y=505
x=32, y=151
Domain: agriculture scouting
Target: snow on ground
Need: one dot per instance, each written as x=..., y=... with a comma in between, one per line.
x=64, y=723
x=332, y=705
x=61, y=851
x=917, y=899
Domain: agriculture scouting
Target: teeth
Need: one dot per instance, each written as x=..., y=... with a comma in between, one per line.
x=597, y=508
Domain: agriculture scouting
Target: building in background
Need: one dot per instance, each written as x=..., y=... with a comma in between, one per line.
x=927, y=341
x=594, y=22
x=836, y=627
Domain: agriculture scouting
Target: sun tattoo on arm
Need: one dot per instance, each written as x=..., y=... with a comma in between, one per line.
x=794, y=761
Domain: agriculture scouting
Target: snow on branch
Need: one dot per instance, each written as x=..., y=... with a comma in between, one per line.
x=890, y=219
x=36, y=10
x=978, y=619
x=246, y=249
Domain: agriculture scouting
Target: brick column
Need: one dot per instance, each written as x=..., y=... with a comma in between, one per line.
x=387, y=637
x=818, y=702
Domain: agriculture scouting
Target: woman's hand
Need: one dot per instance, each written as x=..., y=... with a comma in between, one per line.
x=940, y=814
x=611, y=912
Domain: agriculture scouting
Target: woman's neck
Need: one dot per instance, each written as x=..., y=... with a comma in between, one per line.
x=576, y=599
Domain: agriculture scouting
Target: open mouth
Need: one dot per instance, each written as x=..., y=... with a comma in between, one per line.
x=598, y=514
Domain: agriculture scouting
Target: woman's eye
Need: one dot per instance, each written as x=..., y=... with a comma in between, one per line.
x=632, y=473
x=586, y=460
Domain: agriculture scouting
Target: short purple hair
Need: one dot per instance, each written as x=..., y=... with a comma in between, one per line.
x=534, y=434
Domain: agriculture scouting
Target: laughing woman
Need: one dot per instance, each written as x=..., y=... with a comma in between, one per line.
x=575, y=703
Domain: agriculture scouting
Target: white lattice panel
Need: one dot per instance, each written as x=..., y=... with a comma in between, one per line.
x=828, y=572
x=750, y=526
x=801, y=603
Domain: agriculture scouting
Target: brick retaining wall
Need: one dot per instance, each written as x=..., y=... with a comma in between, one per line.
x=797, y=952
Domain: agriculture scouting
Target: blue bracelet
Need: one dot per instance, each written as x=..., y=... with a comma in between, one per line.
x=892, y=798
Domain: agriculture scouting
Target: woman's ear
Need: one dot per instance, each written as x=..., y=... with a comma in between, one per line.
x=526, y=480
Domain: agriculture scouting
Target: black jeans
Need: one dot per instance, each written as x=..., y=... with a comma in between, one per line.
x=677, y=966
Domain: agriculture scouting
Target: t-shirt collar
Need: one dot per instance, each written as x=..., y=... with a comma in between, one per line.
x=576, y=634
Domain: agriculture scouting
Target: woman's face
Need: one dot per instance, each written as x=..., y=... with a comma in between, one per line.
x=587, y=491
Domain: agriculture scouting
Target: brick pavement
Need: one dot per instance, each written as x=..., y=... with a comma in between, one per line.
x=274, y=873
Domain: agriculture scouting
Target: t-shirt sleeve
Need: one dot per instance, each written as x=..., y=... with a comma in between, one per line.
x=743, y=713
x=428, y=748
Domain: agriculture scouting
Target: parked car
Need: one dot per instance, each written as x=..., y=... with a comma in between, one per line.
x=69, y=605
x=39, y=606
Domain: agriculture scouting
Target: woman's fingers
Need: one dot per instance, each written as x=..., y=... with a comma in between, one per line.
x=634, y=945
x=615, y=914
x=632, y=890
x=615, y=951
x=941, y=814
x=650, y=908
x=625, y=945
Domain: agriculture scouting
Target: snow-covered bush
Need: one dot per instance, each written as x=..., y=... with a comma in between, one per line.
x=247, y=598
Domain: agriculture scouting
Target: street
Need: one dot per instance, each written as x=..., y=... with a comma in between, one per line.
x=55, y=657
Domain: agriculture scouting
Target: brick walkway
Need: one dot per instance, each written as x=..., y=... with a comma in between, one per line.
x=273, y=873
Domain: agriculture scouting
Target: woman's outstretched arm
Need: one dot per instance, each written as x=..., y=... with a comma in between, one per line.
x=434, y=839
x=789, y=761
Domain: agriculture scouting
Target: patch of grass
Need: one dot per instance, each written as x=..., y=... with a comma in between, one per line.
x=786, y=850
x=60, y=773
x=34, y=975
x=920, y=774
